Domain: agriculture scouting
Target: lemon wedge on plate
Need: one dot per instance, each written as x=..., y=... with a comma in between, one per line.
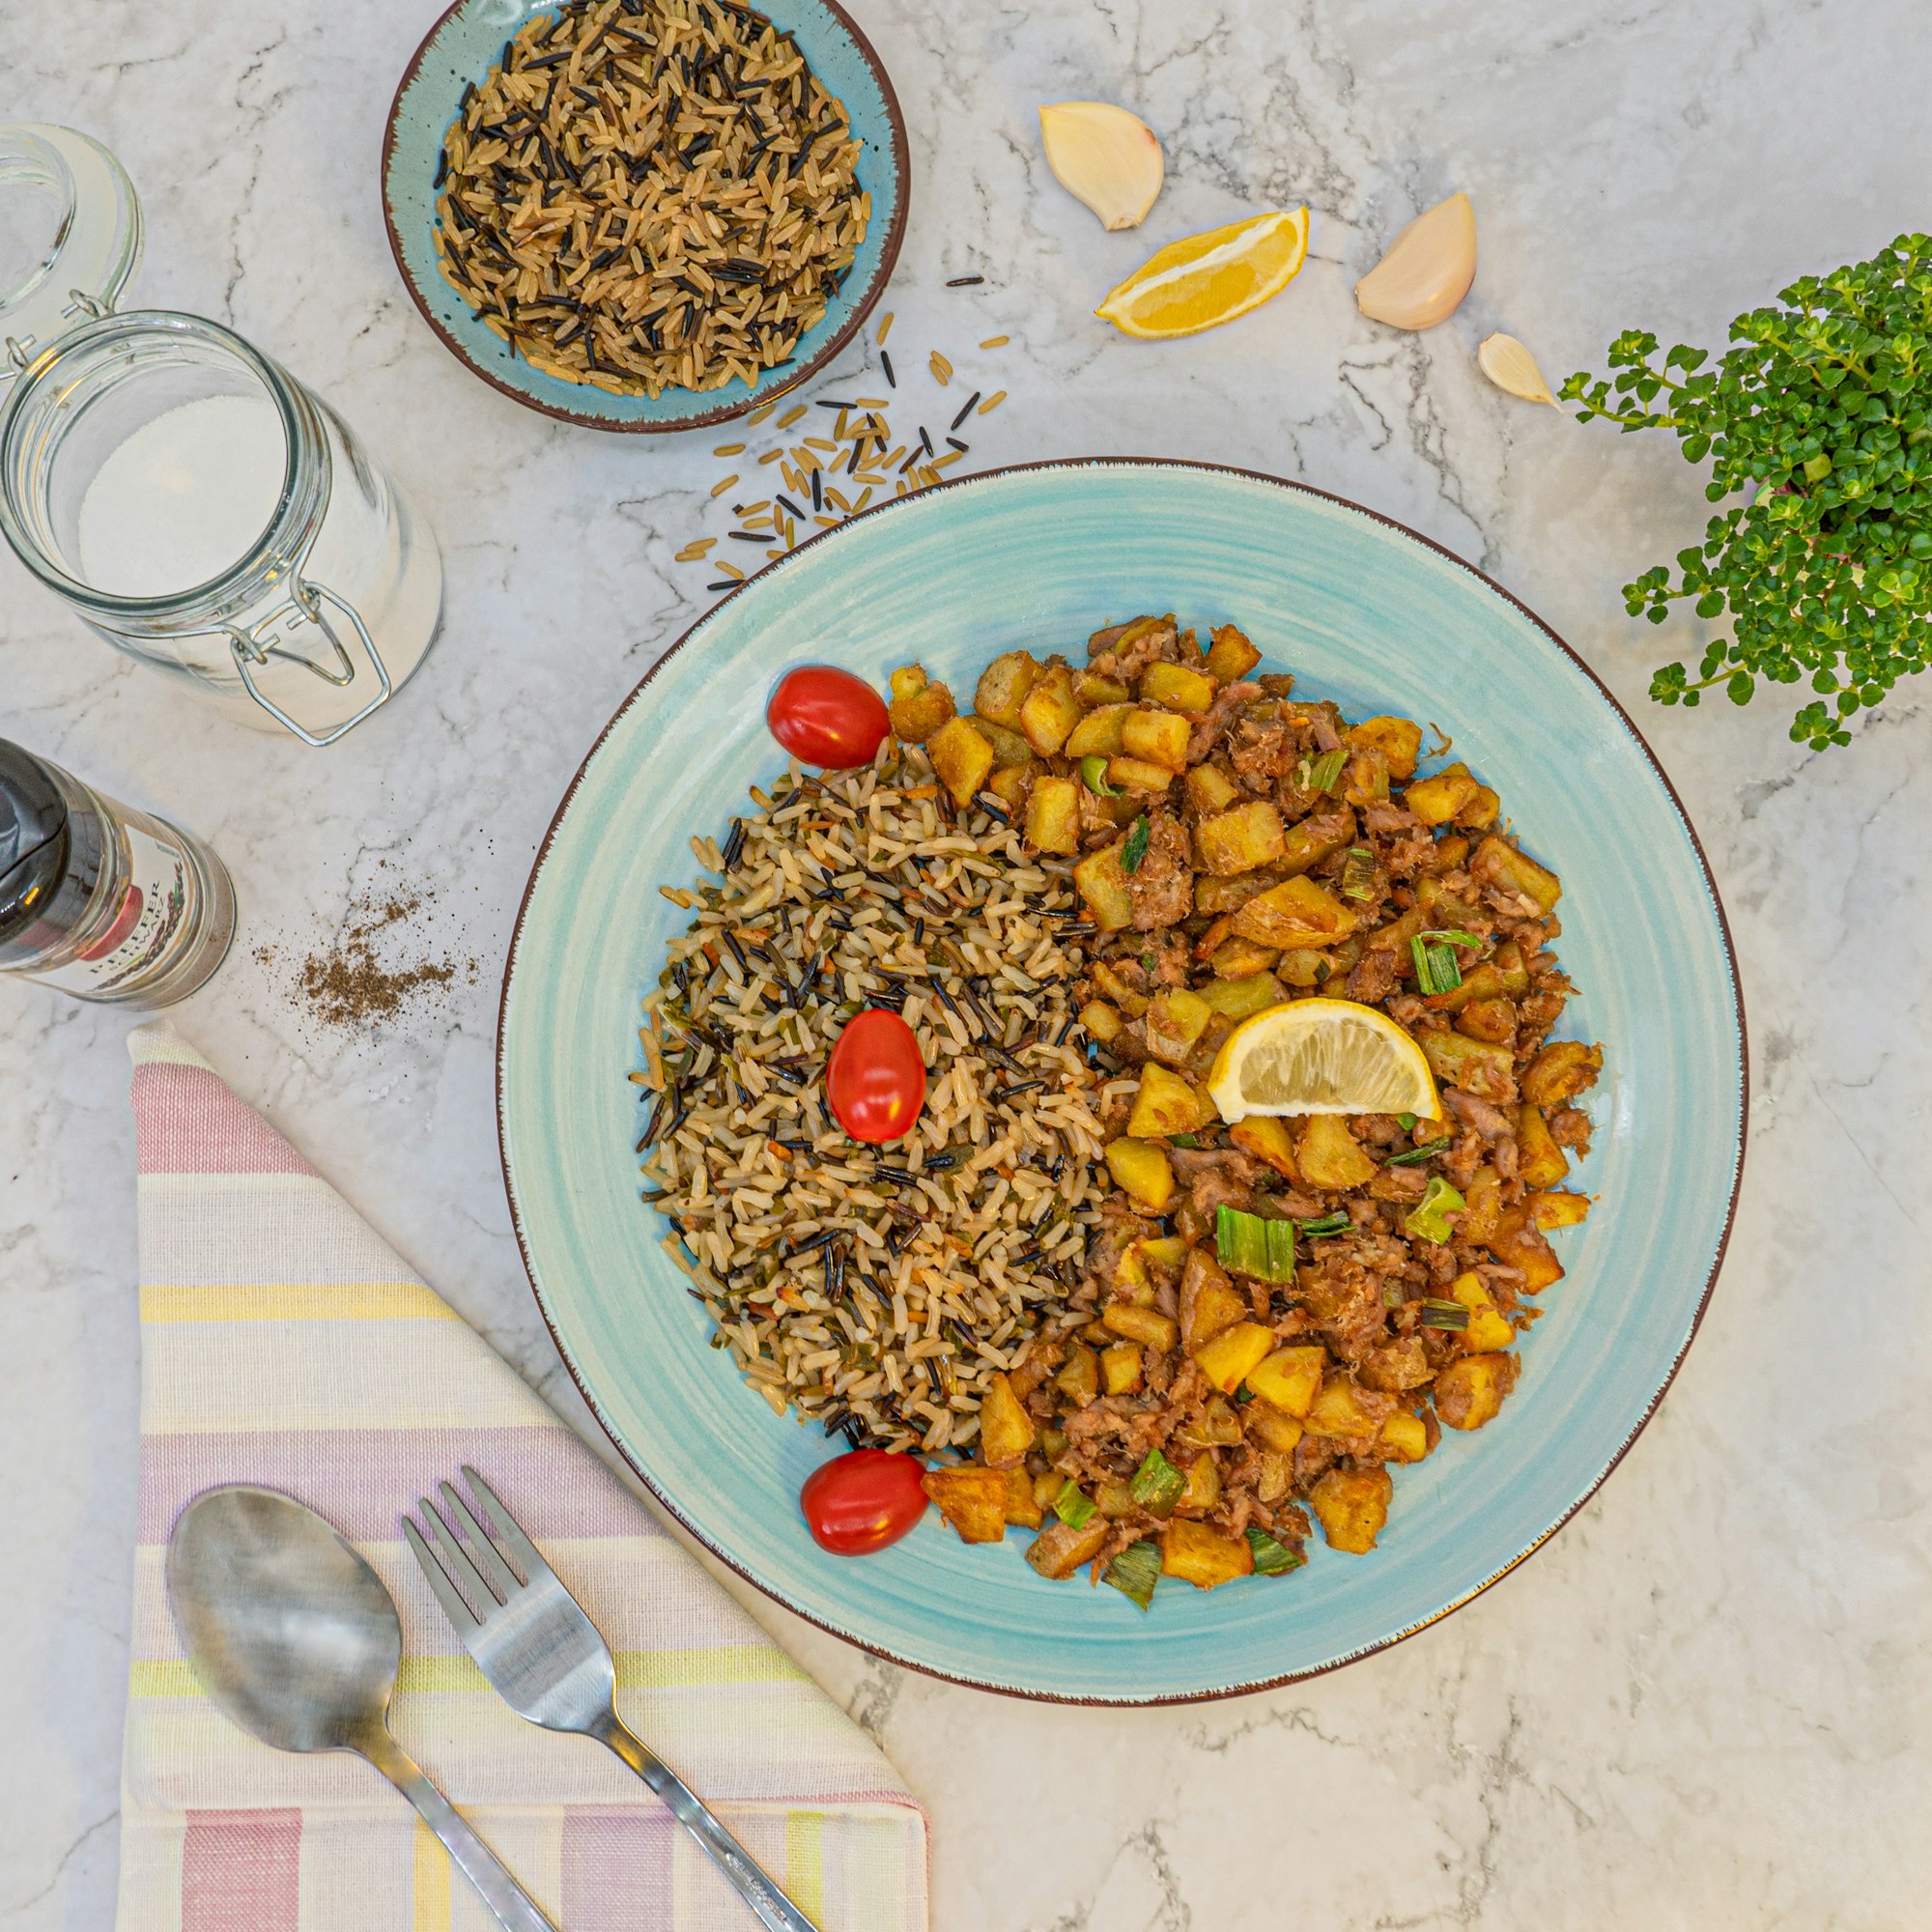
x=1212, y=277
x=1321, y=1057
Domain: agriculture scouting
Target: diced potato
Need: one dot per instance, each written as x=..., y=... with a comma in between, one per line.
x=1120, y=1367
x=1046, y=1485
x=1056, y=1551
x=1277, y=1475
x=1226, y=1360
x=1436, y=801
x=961, y=756
x=1365, y=778
x=1398, y=739
x=1166, y=1104
x=1053, y=815
x=1130, y=1272
x=1146, y=1325
x=1118, y=637
x=1118, y=990
x=1243, y=960
x=1159, y=737
x=1141, y=1171
x=1165, y=1254
x=1299, y=966
x=1273, y=1428
x=1239, y=840
x=1202, y=1556
x=1559, y=1210
x=1471, y=1390
x=1101, y=884
x=1131, y=774
x=1483, y=980
x=1449, y=853
x=1114, y=1499
x=1216, y=1308
x=1176, y=687
x=1499, y=864
x=1267, y=1139
x=1482, y=811
x=1329, y=1155
x=1202, y=1494
x=1005, y=1429
x=1405, y=1438
x=919, y=707
x=1298, y=913
x=1489, y=1327
x=1318, y=836
x=1008, y=747
x=1518, y=1243
x=1238, y=998
x=1218, y=893
x=1288, y=1379
x=1012, y=785
x=1561, y=1072
x=1210, y=789
x=1003, y=686
x=1091, y=689
x=1342, y=1408
x=1509, y=962
x=1050, y=710
x=1483, y=1205
x=1079, y=1379
x=1493, y=1020
x=1176, y=1019
x=1099, y=732
x=1476, y=1066
x=971, y=1498
x=1229, y=655
x=1024, y=1508
x=1351, y=1505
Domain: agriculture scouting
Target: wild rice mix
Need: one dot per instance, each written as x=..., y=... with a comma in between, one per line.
x=647, y=194
x=875, y=1289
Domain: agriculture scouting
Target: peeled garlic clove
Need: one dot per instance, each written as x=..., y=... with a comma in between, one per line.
x=1427, y=271
x=1104, y=157
x=1510, y=366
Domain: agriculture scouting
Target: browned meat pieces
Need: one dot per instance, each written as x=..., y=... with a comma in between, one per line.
x=1228, y=701
x=1216, y=1180
x=1162, y=886
x=1346, y=1303
x=1124, y=662
x=1492, y=1122
x=1258, y=750
x=1376, y=975
x=1397, y=1366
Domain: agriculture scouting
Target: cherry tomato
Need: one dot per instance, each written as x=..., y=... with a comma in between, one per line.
x=875, y=1079
x=859, y=1502
x=826, y=717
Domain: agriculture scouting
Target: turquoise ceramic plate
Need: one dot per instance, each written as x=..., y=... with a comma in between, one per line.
x=1363, y=612
x=460, y=48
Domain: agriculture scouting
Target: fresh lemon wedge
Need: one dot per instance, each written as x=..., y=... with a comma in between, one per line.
x=1321, y=1057
x=1212, y=277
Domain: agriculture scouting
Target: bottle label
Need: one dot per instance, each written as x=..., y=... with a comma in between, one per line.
x=146, y=923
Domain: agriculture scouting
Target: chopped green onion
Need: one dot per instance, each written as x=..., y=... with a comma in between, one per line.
x=1319, y=774
x=1417, y=1154
x=1093, y=776
x=1073, y=1508
x=1252, y=1244
x=1425, y=1220
x=1358, y=873
x=1272, y=1558
x=1406, y=1122
x=1328, y=1224
x=1184, y=1140
x=1444, y=1314
x=1157, y=1485
x=1394, y=1294
x=1435, y=967
x=1454, y=936
x=1136, y=1570
x=1135, y=849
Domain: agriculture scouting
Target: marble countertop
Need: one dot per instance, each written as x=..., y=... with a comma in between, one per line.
x=1706, y=1702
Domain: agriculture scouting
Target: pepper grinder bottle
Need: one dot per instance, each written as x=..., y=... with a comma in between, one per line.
x=99, y=900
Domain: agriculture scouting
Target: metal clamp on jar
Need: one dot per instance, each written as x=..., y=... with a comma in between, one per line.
x=188, y=497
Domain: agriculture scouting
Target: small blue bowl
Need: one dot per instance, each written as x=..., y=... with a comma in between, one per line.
x=462, y=48
x=1364, y=612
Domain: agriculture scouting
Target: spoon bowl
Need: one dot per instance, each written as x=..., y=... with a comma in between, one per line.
x=296, y=1639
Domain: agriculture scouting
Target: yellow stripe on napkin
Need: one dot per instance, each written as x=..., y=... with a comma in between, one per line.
x=293, y=1301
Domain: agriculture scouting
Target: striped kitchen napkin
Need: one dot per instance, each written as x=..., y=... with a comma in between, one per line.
x=283, y=1344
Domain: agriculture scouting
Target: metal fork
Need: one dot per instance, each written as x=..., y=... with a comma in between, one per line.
x=546, y=1659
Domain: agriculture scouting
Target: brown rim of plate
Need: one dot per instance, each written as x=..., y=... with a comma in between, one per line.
x=1529, y=1549
x=755, y=399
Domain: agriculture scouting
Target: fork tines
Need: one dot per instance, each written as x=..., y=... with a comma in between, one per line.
x=470, y=1583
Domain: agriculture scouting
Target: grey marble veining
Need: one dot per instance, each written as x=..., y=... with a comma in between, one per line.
x=1706, y=1703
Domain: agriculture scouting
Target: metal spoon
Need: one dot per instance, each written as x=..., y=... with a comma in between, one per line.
x=296, y=1639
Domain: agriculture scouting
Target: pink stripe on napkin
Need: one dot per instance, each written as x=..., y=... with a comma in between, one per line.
x=242, y=1871
x=187, y=1121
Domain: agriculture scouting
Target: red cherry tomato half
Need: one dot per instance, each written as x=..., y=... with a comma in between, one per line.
x=875, y=1079
x=859, y=1502
x=826, y=717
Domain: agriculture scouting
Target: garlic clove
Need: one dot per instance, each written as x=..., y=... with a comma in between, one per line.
x=1427, y=271
x=1510, y=366
x=1104, y=157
